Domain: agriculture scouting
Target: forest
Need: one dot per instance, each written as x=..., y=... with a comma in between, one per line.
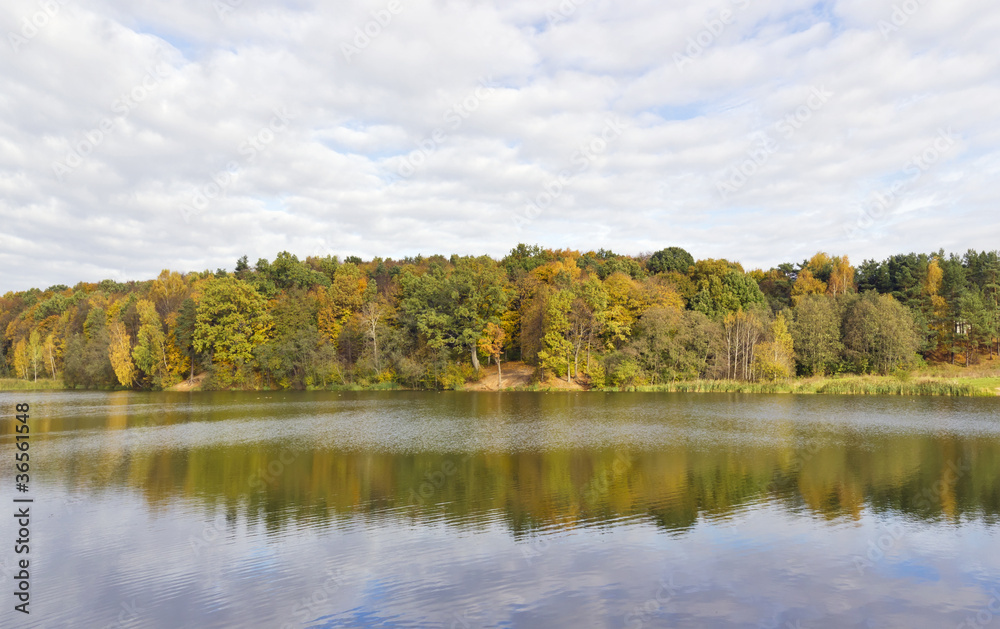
x=599, y=319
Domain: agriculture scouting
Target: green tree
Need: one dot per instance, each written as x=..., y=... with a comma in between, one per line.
x=670, y=259
x=557, y=348
x=450, y=310
x=879, y=333
x=187, y=323
x=232, y=321
x=292, y=357
x=816, y=334
x=150, y=351
x=724, y=288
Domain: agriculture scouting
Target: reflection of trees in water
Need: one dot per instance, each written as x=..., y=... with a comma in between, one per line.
x=924, y=476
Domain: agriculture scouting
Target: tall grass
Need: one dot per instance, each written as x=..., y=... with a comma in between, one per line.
x=16, y=384
x=716, y=386
x=870, y=385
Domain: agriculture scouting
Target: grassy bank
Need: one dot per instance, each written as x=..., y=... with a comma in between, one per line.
x=978, y=386
x=849, y=385
x=16, y=384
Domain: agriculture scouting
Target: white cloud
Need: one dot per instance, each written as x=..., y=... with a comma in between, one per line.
x=182, y=93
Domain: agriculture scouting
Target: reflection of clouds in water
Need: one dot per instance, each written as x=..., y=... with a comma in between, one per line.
x=759, y=563
x=546, y=530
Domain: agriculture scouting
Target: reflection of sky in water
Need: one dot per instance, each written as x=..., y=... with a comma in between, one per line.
x=144, y=506
x=760, y=564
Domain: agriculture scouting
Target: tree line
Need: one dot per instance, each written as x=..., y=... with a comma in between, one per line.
x=598, y=318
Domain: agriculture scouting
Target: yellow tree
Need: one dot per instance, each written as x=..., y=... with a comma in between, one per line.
x=624, y=305
x=21, y=363
x=807, y=284
x=177, y=362
x=841, y=277
x=49, y=352
x=34, y=351
x=820, y=264
x=491, y=343
x=150, y=352
x=775, y=359
x=120, y=353
x=742, y=332
x=939, y=306
x=373, y=312
x=168, y=290
x=341, y=301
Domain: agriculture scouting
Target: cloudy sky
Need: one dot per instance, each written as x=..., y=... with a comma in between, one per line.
x=139, y=135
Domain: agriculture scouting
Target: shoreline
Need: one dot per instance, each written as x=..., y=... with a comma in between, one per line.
x=848, y=385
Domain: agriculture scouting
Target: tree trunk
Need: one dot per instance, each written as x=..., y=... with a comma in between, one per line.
x=499, y=375
x=475, y=358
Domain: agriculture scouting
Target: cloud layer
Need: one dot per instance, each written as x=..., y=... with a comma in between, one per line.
x=136, y=136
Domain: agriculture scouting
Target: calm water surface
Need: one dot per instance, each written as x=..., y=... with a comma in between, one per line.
x=463, y=510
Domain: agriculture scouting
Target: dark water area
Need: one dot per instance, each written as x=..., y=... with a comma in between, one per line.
x=422, y=509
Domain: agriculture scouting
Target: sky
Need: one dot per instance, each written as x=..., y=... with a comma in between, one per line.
x=137, y=136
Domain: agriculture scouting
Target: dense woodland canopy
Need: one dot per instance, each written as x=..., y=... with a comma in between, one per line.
x=598, y=318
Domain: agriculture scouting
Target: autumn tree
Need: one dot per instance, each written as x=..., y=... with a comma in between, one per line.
x=841, y=277
x=34, y=352
x=491, y=343
x=120, y=354
x=742, y=332
x=557, y=348
x=150, y=352
x=775, y=358
x=22, y=364
x=372, y=314
x=807, y=284
x=49, y=354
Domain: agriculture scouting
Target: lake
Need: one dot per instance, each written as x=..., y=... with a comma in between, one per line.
x=425, y=509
